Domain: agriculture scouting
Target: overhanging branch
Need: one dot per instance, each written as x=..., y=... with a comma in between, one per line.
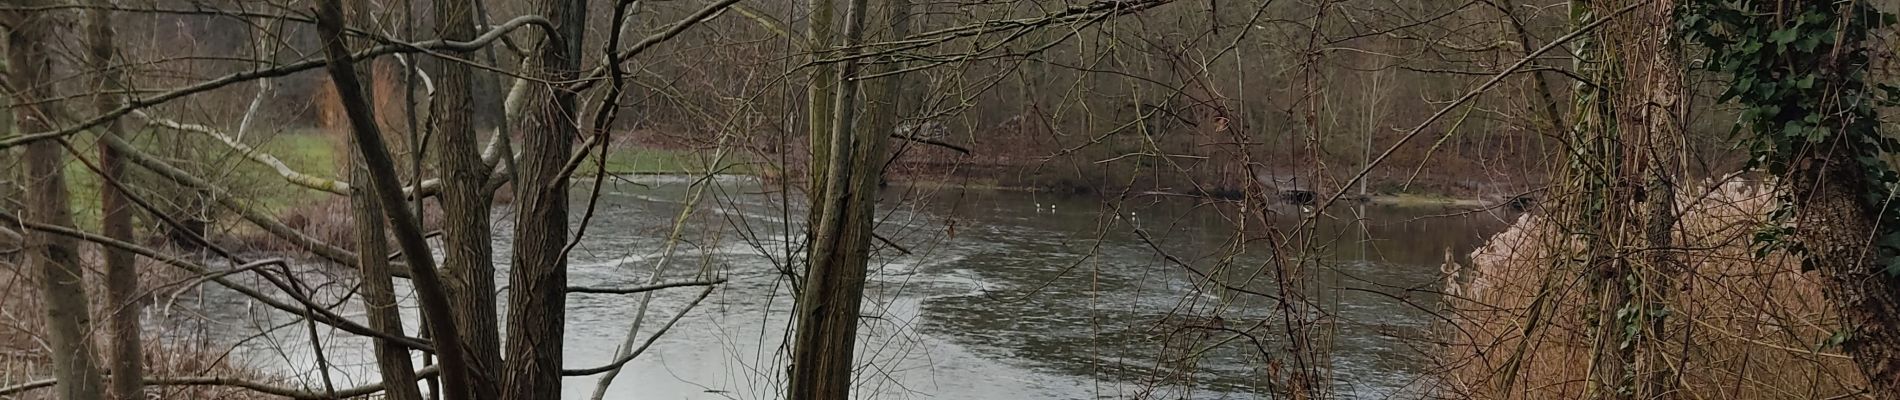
x=283, y=70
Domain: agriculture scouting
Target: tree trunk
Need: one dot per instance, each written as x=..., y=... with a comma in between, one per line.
x=1648, y=103
x=1834, y=225
x=537, y=279
x=843, y=215
x=379, y=290
x=467, y=256
x=122, y=285
x=62, y=279
x=818, y=98
x=1626, y=159
x=388, y=189
x=380, y=306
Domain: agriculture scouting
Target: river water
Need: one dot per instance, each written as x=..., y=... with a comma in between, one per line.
x=993, y=295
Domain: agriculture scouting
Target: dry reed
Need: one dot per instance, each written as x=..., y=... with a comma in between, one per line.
x=1739, y=327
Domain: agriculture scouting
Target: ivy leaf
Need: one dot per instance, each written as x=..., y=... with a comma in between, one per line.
x=1784, y=36
x=1808, y=43
x=1806, y=81
x=1835, y=340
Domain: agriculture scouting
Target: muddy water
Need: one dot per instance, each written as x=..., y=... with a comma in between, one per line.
x=993, y=295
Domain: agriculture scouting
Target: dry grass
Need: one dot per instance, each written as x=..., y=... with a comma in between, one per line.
x=1739, y=328
x=24, y=355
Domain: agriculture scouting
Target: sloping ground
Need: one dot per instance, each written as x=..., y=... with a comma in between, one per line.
x=1741, y=327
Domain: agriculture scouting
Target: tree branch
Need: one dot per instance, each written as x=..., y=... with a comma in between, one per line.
x=298, y=178
x=638, y=289
x=622, y=361
x=260, y=387
x=321, y=315
x=227, y=80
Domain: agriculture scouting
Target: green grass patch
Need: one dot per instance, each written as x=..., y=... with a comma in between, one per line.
x=211, y=160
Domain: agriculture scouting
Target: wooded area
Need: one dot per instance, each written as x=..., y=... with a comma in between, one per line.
x=1689, y=198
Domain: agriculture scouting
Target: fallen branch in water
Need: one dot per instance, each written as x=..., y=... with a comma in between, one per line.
x=648, y=288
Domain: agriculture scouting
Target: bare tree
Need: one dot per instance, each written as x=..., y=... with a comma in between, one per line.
x=843, y=214
x=465, y=198
x=537, y=279
x=126, y=358
x=380, y=305
x=55, y=258
x=415, y=250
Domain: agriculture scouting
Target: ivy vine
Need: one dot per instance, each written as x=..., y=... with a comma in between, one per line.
x=1798, y=69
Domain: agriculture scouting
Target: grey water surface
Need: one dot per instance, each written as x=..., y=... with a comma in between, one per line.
x=1000, y=296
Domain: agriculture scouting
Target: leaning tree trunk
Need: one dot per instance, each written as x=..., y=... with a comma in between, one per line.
x=467, y=255
x=56, y=258
x=122, y=285
x=843, y=216
x=388, y=189
x=537, y=280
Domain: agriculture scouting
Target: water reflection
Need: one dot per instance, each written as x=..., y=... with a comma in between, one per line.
x=985, y=295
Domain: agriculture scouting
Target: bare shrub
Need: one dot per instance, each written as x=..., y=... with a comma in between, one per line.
x=1742, y=327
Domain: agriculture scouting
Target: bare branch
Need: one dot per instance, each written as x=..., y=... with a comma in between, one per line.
x=283, y=70
x=299, y=178
x=622, y=361
x=638, y=289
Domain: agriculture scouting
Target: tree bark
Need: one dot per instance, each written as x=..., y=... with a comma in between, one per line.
x=382, y=175
x=467, y=256
x=379, y=289
x=1834, y=226
x=536, y=310
x=1633, y=120
x=56, y=258
x=842, y=232
x=127, y=382
x=818, y=98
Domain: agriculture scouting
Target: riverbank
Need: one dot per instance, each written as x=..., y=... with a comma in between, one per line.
x=324, y=215
x=1404, y=200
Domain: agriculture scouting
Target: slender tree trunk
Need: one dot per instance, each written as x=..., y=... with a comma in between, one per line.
x=1600, y=213
x=818, y=98
x=828, y=304
x=121, y=272
x=372, y=243
x=379, y=290
x=467, y=256
x=537, y=280
x=388, y=188
x=1650, y=102
x=56, y=258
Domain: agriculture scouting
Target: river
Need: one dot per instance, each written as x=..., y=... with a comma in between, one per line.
x=993, y=295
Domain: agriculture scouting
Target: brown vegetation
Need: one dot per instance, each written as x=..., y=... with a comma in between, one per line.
x=167, y=352
x=1741, y=326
